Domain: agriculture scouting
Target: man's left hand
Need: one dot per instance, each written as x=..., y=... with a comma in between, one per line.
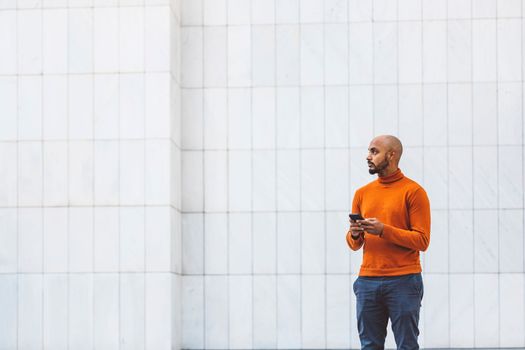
x=372, y=226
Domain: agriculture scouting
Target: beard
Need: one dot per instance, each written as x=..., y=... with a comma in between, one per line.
x=378, y=168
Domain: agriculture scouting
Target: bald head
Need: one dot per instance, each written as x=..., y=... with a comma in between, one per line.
x=391, y=144
x=384, y=154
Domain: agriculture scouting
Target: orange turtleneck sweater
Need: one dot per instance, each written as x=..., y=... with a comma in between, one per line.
x=402, y=206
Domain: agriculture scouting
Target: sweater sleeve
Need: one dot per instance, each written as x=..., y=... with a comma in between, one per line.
x=418, y=237
x=355, y=244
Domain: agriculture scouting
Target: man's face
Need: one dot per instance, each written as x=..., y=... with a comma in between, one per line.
x=377, y=157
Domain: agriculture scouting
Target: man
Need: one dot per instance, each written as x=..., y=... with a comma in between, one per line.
x=396, y=227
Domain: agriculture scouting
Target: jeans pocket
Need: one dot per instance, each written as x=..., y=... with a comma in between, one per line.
x=355, y=286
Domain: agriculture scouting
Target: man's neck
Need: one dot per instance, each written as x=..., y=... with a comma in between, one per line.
x=387, y=172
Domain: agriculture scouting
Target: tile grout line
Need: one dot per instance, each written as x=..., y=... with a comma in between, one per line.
x=472, y=173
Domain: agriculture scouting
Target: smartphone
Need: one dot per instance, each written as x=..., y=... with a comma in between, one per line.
x=356, y=217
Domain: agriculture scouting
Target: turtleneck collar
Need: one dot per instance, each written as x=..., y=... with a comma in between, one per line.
x=395, y=176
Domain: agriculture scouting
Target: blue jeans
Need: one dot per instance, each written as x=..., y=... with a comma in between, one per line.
x=380, y=298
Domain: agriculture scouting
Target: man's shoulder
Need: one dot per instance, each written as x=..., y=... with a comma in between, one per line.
x=412, y=186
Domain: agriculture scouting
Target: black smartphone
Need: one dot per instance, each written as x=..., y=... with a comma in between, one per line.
x=356, y=217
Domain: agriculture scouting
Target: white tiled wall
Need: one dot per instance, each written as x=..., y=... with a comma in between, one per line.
x=279, y=101
x=90, y=142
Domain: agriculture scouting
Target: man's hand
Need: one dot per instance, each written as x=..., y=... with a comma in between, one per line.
x=355, y=228
x=372, y=226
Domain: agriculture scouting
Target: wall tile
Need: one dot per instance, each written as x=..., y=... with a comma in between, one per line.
x=55, y=170
x=512, y=320
x=510, y=240
x=132, y=311
x=486, y=244
x=287, y=11
x=484, y=8
x=435, y=115
x=239, y=40
x=410, y=51
x=313, y=312
x=288, y=104
x=312, y=47
x=106, y=39
x=30, y=311
x=509, y=113
x=263, y=12
x=312, y=117
x=434, y=9
x=158, y=239
x=132, y=176
x=192, y=181
x=410, y=115
x=461, y=310
x=460, y=9
x=240, y=244
x=484, y=54
x=157, y=172
x=485, y=177
x=359, y=10
x=55, y=112
x=105, y=311
x=192, y=118
x=192, y=55
x=460, y=114
x=9, y=235
x=193, y=244
x=193, y=309
x=106, y=173
x=385, y=108
x=386, y=45
x=509, y=42
x=215, y=119
x=215, y=55
x=264, y=243
x=313, y=243
x=486, y=287
x=337, y=173
x=216, y=303
x=239, y=119
x=215, y=244
x=192, y=12
x=30, y=240
x=437, y=295
x=55, y=311
x=263, y=118
x=361, y=116
x=86, y=42
x=459, y=47
x=106, y=106
x=338, y=253
x=158, y=298
x=29, y=44
x=264, y=181
x=338, y=292
x=131, y=39
x=336, y=108
x=361, y=53
x=510, y=177
x=80, y=239
x=80, y=172
x=9, y=174
x=215, y=181
x=156, y=38
x=437, y=256
x=461, y=253
x=55, y=240
x=288, y=251
x=263, y=53
x=29, y=107
x=106, y=239
x=265, y=311
x=132, y=239
x=240, y=177
x=54, y=41
x=8, y=108
x=8, y=42
x=131, y=107
x=434, y=51
x=288, y=180
x=289, y=312
x=80, y=107
x=240, y=312
x=312, y=180
x=287, y=51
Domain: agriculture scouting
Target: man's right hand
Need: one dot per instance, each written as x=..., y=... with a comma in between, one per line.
x=356, y=229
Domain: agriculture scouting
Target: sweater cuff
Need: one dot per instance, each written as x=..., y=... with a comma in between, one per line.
x=387, y=231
